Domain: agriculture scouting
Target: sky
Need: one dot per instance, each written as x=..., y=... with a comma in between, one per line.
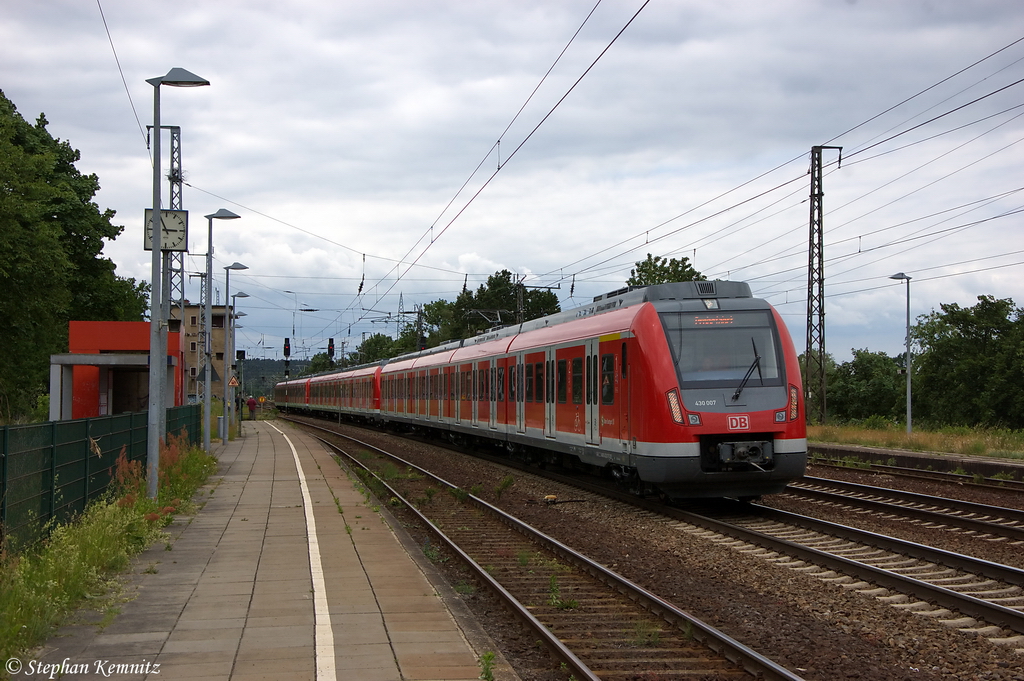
x=384, y=155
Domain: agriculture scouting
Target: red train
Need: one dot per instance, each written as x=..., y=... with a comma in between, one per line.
x=689, y=389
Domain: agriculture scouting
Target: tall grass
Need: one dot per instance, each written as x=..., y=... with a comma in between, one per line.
x=953, y=440
x=43, y=584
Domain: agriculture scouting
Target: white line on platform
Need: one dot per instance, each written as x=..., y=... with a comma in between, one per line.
x=324, y=638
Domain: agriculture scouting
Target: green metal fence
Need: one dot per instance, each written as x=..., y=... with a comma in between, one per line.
x=50, y=471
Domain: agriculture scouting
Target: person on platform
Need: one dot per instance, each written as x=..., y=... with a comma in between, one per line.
x=252, y=408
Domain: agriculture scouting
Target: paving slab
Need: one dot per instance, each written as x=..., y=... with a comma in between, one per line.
x=235, y=591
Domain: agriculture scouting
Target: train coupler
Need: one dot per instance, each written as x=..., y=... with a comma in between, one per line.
x=754, y=453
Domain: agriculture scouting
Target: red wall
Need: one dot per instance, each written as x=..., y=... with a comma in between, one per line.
x=113, y=337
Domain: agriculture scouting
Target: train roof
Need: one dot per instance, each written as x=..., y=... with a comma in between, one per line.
x=606, y=302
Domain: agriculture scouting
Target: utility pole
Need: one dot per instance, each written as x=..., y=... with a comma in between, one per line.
x=814, y=355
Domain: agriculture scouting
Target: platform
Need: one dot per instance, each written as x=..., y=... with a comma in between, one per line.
x=237, y=593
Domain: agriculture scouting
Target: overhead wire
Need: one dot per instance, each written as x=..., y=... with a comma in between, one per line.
x=516, y=150
x=833, y=139
x=117, y=61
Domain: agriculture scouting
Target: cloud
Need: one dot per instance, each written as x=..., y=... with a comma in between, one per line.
x=339, y=130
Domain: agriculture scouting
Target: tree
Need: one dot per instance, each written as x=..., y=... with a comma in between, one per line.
x=868, y=385
x=494, y=303
x=971, y=364
x=51, y=235
x=373, y=349
x=658, y=270
x=319, y=363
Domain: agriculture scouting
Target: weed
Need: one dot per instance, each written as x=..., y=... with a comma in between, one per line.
x=430, y=492
x=503, y=486
x=646, y=634
x=523, y=557
x=555, y=597
x=487, y=666
x=459, y=493
x=433, y=553
x=464, y=588
x=43, y=584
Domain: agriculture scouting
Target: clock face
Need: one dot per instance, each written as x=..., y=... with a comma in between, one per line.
x=173, y=230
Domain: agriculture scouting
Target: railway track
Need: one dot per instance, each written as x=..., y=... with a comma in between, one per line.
x=961, y=479
x=978, y=597
x=973, y=595
x=982, y=521
x=596, y=623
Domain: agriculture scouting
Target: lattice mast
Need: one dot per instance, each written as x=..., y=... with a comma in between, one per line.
x=814, y=355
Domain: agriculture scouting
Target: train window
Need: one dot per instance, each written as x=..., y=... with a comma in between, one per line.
x=623, y=365
x=608, y=379
x=529, y=383
x=538, y=371
x=561, y=367
x=577, y=380
x=499, y=385
x=718, y=349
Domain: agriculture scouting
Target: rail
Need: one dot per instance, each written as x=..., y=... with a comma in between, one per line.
x=578, y=662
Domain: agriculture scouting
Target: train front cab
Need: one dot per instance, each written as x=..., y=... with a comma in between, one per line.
x=723, y=414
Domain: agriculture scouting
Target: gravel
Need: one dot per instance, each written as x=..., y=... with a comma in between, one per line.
x=812, y=627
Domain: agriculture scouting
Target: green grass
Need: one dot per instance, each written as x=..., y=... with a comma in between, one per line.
x=952, y=440
x=41, y=585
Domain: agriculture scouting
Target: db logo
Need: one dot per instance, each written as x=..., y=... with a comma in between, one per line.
x=739, y=422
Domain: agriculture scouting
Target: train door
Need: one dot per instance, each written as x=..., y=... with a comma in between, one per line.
x=492, y=396
x=480, y=403
x=549, y=393
x=520, y=404
x=592, y=400
x=460, y=383
x=623, y=396
x=435, y=393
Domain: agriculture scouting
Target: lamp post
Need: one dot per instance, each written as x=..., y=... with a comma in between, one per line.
x=901, y=275
x=222, y=214
x=176, y=77
x=228, y=312
x=227, y=343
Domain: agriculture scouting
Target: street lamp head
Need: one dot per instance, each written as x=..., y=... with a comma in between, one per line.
x=222, y=214
x=240, y=294
x=900, y=275
x=178, y=77
x=236, y=266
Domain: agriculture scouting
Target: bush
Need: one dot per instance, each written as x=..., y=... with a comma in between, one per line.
x=42, y=585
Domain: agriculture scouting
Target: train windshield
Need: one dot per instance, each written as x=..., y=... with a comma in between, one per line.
x=718, y=349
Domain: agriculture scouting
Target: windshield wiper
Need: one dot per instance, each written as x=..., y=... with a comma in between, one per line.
x=755, y=365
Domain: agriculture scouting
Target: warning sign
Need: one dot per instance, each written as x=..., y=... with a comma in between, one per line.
x=233, y=383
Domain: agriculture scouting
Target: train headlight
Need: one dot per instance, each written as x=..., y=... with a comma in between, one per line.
x=794, y=403
x=780, y=417
x=694, y=419
x=674, y=406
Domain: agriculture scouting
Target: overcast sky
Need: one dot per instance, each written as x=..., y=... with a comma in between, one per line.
x=342, y=133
